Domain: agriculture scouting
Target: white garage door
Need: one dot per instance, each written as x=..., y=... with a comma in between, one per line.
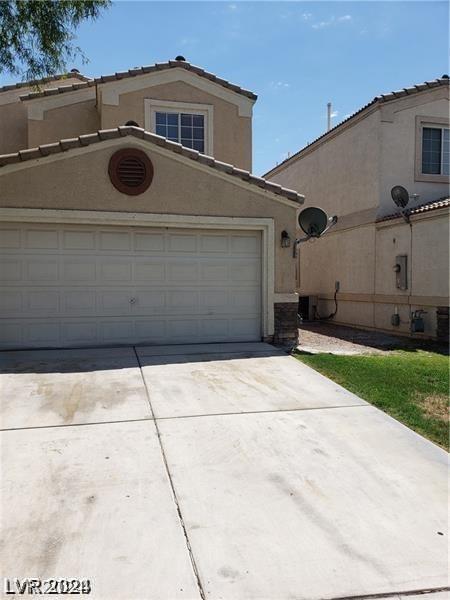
x=81, y=285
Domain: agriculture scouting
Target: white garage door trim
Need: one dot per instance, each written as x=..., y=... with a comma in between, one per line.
x=265, y=225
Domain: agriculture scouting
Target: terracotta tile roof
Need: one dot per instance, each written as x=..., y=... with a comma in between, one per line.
x=171, y=64
x=421, y=208
x=44, y=81
x=119, y=132
x=381, y=99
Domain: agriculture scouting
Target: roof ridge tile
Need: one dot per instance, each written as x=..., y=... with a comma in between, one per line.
x=137, y=71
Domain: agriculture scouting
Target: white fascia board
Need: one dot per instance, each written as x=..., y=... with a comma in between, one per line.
x=38, y=106
x=111, y=90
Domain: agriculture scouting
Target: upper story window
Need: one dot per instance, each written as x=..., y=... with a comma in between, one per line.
x=435, y=150
x=188, y=124
x=432, y=149
x=186, y=128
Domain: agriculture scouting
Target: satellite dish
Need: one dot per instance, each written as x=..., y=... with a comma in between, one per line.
x=313, y=221
x=400, y=196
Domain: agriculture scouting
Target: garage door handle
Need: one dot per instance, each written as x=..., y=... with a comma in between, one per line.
x=132, y=300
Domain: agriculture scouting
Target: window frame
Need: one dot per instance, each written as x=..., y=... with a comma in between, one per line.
x=151, y=107
x=435, y=123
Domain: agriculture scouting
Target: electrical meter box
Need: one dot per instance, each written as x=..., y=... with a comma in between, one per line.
x=401, y=278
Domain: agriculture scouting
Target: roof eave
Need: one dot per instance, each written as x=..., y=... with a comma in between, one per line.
x=18, y=159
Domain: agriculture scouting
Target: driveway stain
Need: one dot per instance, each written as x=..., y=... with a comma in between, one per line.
x=326, y=526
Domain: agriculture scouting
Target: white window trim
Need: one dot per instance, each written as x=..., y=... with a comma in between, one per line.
x=441, y=159
x=436, y=123
x=151, y=107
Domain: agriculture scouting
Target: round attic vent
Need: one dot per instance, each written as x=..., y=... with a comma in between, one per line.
x=130, y=171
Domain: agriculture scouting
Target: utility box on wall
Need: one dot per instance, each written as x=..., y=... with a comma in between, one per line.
x=401, y=277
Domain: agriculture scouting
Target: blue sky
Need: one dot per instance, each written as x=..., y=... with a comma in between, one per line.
x=296, y=56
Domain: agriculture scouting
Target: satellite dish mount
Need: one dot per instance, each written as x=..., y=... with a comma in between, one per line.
x=401, y=197
x=315, y=223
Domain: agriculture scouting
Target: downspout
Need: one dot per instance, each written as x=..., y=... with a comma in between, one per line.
x=374, y=272
x=410, y=267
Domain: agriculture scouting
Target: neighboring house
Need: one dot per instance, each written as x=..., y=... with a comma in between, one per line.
x=401, y=138
x=116, y=235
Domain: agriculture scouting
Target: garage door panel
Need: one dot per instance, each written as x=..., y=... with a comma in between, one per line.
x=79, y=240
x=244, y=328
x=245, y=245
x=10, y=238
x=245, y=272
x=43, y=333
x=214, y=243
x=10, y=270
x=42, y=269
x=11, y=334
x=149, y=300
x=115, y=240
x=182, y=300
x=11, y=303
x=183, y=329
x=117, y=301
x=146, y=271
x=246, y=300
x=127, y=285
x=78, y=270
x=214, y=272
x=215, y=299
x=214, y=329
x=36, y=239
x=149, y=242
x=182, y=271
x=152, y=330
x=46, y=301
x=115, y=270
x=80, y=332
x=182, y=242
x=76, y=302
x=116, y=331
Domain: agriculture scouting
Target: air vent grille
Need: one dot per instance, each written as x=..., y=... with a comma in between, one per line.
x=130, y=171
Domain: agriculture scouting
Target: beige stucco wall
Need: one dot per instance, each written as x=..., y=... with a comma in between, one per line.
x=398, y=146
x=425, y=242
x=351, y=175
x=232, y=133
x=362, y=259
x=14, y=116
x=430, y=256
x=13, y=127
x=342, y=175
x=82, y=182
x=63, y=122
x=324, y=261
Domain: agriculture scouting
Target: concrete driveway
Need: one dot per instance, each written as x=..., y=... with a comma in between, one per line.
x=221, y=471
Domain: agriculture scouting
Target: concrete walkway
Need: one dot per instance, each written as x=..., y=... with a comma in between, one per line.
x=221, y=471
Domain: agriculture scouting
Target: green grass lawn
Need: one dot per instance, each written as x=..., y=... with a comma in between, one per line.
x=412, y=386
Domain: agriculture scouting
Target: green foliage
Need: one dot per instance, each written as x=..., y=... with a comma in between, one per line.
x=36, y=36
x=410, y=386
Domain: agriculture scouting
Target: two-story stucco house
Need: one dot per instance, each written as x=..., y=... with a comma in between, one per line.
x=129, y=214
x=401, y=138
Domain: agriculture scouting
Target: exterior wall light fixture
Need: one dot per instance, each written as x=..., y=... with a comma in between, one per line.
x=285, y=239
